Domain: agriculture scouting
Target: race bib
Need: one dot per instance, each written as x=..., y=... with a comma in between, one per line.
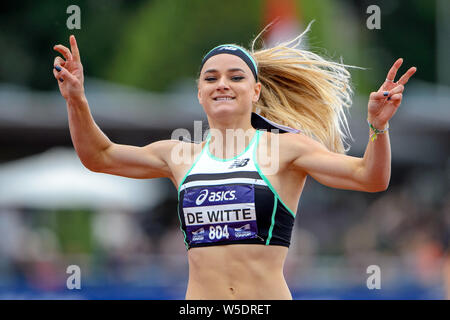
x=220, y=213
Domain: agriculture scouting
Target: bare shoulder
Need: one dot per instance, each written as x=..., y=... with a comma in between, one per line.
x=176, y=151
x=293, y=145
x=162, y=147
x=179, y=156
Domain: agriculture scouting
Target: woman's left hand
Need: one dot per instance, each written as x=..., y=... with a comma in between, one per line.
x=384, y=103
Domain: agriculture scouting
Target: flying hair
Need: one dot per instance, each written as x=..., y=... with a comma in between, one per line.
x=305, y=91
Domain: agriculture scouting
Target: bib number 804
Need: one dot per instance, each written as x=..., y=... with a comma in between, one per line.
x=218, y=232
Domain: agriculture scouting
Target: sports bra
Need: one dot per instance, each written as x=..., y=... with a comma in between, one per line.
x=230, y=201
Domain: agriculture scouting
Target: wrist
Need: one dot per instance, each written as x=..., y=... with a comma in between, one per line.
x=374, y=131
x=380, y=126
x=76, y=99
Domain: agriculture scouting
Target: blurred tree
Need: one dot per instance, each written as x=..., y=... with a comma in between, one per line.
x=153, y=43
x=73, y=229
x=29, y=30
x=167, y=39
x=408, y=30
x=337, y=34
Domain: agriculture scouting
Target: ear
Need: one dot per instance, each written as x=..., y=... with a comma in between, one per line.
x=199, y=95
x=257, y=92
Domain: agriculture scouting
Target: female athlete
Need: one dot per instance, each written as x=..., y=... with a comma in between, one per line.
x=275, y=116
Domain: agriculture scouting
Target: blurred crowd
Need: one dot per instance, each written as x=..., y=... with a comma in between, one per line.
x=337, y=235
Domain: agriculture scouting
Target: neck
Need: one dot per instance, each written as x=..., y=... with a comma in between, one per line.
x=230, y=138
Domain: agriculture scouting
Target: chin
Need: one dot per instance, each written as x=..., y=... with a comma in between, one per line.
x=224, y=110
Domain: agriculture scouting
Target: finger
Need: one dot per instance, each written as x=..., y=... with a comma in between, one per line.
x=382, y=95
x=63, y=74
x=64, y=51
x=396, y=99
x=59, y=61
x=57, y=76
x=74, y=47
x=408, y=74
x=397, y=89
x=379, y=95
x=393, y=71
x=397, y=96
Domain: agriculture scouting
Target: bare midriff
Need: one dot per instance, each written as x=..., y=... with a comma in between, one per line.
x=237, y=271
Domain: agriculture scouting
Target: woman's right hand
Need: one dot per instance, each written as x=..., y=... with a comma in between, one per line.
x=69, y=72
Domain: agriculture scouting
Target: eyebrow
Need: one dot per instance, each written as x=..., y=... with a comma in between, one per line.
x=229, y=70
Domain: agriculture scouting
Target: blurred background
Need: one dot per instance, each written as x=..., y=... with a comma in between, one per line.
x=140, y=60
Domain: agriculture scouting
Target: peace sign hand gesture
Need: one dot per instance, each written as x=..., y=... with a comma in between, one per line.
x=69, y=72
x=384, y=103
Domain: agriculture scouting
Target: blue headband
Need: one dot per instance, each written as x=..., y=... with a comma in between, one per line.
x=234, y=50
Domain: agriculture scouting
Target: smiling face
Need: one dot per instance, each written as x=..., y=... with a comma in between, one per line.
x=226, y=87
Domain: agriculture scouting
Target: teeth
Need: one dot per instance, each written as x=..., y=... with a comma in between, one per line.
x=223, y=99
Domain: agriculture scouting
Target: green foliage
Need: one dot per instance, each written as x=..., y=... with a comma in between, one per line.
x=166, y=40
x=338, y=33
x=30, y=29
x=153, y=44
x=73, y=229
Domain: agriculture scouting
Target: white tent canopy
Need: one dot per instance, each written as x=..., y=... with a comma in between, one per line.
x=57, y=179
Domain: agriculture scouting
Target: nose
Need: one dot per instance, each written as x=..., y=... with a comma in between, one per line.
x=222, y=84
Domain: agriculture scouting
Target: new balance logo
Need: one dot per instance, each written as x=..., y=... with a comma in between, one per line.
x=239, y=163
x=227, y=48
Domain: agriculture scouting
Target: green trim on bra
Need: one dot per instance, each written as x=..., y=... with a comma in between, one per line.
x=267, y=180
x=275, y=202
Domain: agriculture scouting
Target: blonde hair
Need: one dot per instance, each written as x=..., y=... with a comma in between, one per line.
x=303, y=90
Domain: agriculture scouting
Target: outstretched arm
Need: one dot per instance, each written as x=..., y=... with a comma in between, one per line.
x=87, y=137
x=383, y=104
x=94, y=148
x=370, y=173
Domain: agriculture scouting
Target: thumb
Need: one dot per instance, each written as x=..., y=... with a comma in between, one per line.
x=379, y=95
x=62, y=74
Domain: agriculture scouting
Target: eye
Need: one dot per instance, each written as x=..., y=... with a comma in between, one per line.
x=234, y=78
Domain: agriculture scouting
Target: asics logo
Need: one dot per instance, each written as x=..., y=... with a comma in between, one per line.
x=215, y=196
x=201, y=198
x=239, y=163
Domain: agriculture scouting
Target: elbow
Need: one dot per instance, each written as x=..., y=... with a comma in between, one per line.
x=94, y=161
x=93, y=165
x=377, y=187
x=377, y=183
